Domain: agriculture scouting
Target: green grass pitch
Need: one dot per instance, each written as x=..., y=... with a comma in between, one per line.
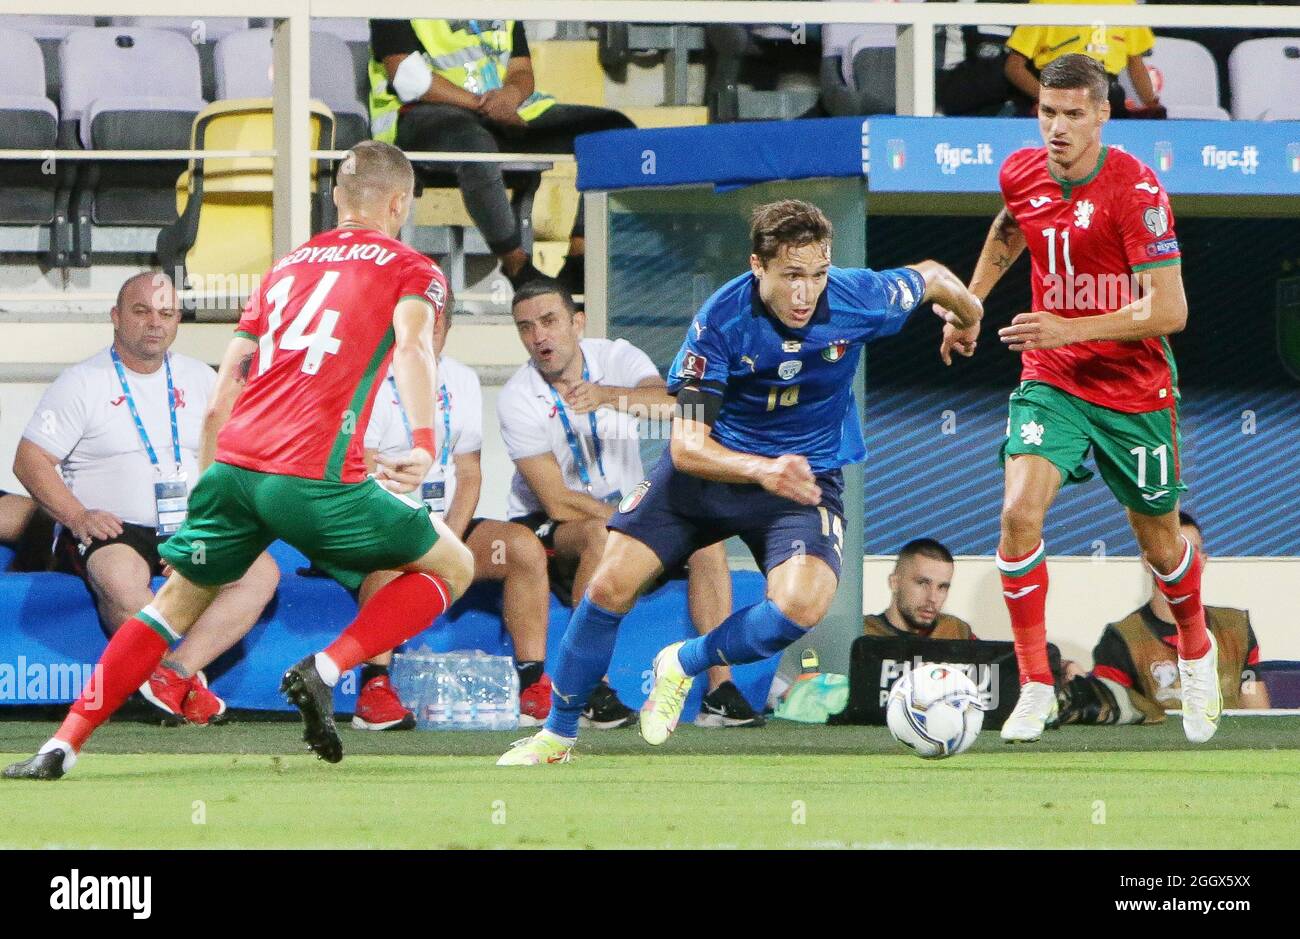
x=783, y=786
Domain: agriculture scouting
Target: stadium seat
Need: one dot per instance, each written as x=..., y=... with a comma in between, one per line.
x=243, y=70
x=126, y=89
x=49, y=31
x=569, y=70
x=202, y=31
x=46, y=27
x=351, y=29
x=224, y=229
x=1185, y=78
x=33, y=203
x=1264, y=75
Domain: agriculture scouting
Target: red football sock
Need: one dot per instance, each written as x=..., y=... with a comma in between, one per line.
x=1182, y=589
x=1024, y=588
x=394, y=614
x=132, y=654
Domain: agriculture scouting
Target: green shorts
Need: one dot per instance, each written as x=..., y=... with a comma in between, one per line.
x=347, y=529
x=1137, y=454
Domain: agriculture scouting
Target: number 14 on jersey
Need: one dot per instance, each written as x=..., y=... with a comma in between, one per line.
x=318, y=343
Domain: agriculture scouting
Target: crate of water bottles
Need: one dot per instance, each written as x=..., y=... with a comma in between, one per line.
x=458, y=690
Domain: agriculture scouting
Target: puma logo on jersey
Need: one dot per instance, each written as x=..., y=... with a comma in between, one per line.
x=1017, y=594
x=1147, y=187
x=1039, y=201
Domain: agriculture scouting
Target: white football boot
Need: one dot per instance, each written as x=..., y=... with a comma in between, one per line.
x=1202, y=695
x=1035, y=709
x=663, y=708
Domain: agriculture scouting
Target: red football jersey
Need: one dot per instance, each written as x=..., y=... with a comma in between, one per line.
x=1089, y=242
x=323, y=321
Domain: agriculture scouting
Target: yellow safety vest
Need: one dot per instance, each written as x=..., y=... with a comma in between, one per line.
x=453, y=51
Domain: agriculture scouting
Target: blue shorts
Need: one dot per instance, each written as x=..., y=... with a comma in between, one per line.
x=675, y=514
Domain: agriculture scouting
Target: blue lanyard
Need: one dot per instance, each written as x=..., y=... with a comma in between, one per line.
x=444, y=399
x=139, y=424
x=572, y=438
x=493, y=53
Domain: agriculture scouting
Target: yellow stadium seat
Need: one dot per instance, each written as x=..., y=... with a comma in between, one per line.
x=570, y=70
x=668, y=115
x=224, y=230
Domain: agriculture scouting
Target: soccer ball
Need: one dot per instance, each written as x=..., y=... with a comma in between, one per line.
x=935, y=710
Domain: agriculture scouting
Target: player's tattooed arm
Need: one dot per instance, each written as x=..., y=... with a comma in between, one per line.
x=1005, y=242
x=236, y=366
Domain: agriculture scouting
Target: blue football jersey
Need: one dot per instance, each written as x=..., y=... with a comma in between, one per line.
x=791, y=390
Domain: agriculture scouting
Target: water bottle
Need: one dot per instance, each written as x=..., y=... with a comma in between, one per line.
x=501, y=690
x=462, y=708
x=405, y=673
x=443, y=687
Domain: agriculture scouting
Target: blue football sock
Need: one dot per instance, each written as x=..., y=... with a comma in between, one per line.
x=748, y=635
x=585, y=651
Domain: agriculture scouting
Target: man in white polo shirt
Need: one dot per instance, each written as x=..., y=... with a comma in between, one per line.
x=112, y=453
x=503, y=551
x=570, y=421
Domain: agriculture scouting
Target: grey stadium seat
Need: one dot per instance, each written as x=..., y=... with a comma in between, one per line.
x=127, y=88
x=203, y=31
x=33, y=204
x=1190, y=79
x=243, y=68
x=1265, y=78
x=49, y=32
x=46, y=27
x=349, y=30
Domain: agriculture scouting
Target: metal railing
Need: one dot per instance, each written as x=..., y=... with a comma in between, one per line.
x=292, y=49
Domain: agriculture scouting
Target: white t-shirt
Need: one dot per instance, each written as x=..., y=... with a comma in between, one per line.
x=387, y=433
x=531, y=425
x=84, y=421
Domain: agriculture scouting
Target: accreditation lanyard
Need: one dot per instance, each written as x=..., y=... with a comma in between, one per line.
x=572, y=438
x=444, y=400
x=135, y=414
x=494, y=78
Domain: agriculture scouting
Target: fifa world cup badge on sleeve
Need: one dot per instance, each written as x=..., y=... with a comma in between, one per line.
x=171, y=497
x=693, y=365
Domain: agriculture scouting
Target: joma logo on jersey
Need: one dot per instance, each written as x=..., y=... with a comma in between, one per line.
x=835, y=351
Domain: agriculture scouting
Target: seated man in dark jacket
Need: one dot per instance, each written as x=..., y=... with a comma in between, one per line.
x=1134, y=677
x=919, y=588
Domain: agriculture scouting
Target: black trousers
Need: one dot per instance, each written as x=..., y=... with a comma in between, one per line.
x=425, y=126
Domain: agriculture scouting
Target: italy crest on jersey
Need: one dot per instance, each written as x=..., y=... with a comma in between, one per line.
x=633, y=498
x=835, y=351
